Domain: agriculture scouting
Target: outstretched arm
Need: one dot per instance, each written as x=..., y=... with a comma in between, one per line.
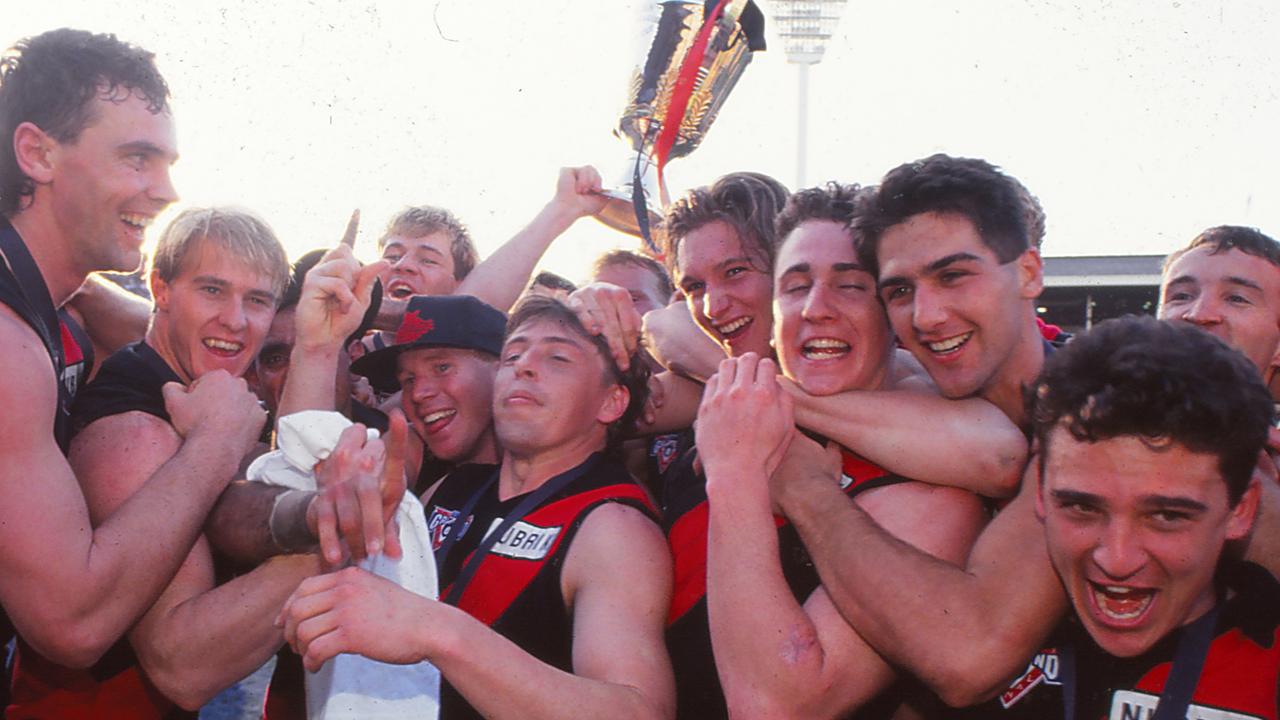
x=502, y=276
x=620, y=666
x=971, y=444
x=963, y=631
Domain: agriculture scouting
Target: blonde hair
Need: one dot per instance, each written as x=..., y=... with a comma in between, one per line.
x=244, y=234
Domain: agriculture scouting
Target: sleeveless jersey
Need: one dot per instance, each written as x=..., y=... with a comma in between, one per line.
x=684, y=518
x=516, y=588
x=115, y=687
x=1240, y=679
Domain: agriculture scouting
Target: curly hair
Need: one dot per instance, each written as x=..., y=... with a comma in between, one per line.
x=1160, y=381
x=635, y=379
x=833, y=201
x=1223, y=238
x=423, y=220
x=995, y=203
x=747, y=201
x=51, y=81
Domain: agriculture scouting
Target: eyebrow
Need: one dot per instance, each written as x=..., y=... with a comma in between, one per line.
x=1076, y=496
x=149, y=148
x=951, y=259
x=1174, y=502
x=1231, y=279
x=429, y=249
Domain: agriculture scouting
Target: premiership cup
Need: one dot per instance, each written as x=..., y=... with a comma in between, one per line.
x=696, y=53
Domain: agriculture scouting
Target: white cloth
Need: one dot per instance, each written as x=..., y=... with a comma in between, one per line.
x=352, y=687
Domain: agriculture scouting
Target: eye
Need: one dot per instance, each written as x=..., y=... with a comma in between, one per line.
x=1237, y=299
x=210, y=289
x=1170, y=519
x=427, y=261
x=693, y=287
x=1177, y=296
x=561, y=358
x=273, y=360
x=510, y=357
x=796, y=288
x=261, y=301
x=949, y=277
x=392, y=257
x=736, y=270
x=895, y=293
x=442, y=368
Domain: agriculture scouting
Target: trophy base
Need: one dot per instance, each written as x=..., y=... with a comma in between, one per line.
x=619, y=212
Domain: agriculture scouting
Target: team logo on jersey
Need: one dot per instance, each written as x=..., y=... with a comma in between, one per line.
x=439, y=523
x=1133, y=705
x=1044, y=668
x=524, y=541
x=71, y=375
x=664, y=450
x=845, y=481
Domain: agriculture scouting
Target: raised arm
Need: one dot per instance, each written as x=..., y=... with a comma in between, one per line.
x=963, y=631
x=621, y=669
x=971, y=444
x=73, y=589
x=502, y=276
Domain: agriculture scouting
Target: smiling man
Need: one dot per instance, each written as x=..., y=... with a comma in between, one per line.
x=87, y=143
x=216, y=277
x=1149, y=433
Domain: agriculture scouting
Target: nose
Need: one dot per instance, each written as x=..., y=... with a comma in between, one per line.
x=817, y=304
x=405, y=263
x=1119, y=552
x=232, y=316
x=1204, y=311
x=162, y=190
x=714, y=303
x=927, y=309
x=422, y=389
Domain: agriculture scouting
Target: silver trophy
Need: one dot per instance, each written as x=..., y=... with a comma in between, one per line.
x=697, y=51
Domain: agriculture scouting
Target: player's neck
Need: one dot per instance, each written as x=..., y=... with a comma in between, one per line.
x=1018, y=371
x=524, y=472
x=52, y=253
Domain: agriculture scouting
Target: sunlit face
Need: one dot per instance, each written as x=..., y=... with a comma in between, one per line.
x=272, y=366
x=1135, y=532
x=447, y=395
x=111, y=182
x=952, y=303
x=728, y=291
x=418, y=266
x=830, y=331
x=643, y=286
x=214, y=314
x=551, y=390
x=1234, y=295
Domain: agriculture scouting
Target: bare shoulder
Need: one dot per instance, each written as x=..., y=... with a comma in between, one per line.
x=615, y=535
x=30, y=387
x=114, y=456
x=942, y=521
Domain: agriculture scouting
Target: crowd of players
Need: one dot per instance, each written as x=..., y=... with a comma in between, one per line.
x=837, y=468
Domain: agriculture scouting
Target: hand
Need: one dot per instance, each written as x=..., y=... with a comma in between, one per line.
x=805, y=461
x=657, y=398
x=578, y=192
x=216, y=403
x=352, y=611
x=360, y=486
x=335, y=296
x=745, y=420
x=362, y=391
x=607, y=310
x=678, y=344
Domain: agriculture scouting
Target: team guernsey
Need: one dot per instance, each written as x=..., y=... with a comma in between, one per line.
x=684, y=518
x=114, y=688
x=1240, y=678
x=514, y=587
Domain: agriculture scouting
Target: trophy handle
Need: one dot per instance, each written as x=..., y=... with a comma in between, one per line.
x=619, y=211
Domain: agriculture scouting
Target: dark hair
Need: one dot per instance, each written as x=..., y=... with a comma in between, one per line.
x=1223, y=238
x=52, y=79
x=635, y=379
x=833, y=201
x=626, y=257
x=747, y=201
x=976, y=189
x=1160, y=381
x=423, y=220
x=548, y=279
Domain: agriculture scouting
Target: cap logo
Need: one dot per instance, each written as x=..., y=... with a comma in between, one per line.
x=413, y=327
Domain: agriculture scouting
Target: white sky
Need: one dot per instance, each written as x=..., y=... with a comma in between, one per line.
x=1138, y=124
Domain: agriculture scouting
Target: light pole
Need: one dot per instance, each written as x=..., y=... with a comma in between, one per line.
x=805, y=26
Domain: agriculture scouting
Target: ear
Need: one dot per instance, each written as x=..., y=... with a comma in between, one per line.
x=1030, y=273
x=614, y=404
x=1240, y=519
x=159, y=291
x=33, y=149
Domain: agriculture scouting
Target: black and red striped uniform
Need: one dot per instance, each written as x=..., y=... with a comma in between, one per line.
x=516, y=589
x=684, y=518
x=1240, y=679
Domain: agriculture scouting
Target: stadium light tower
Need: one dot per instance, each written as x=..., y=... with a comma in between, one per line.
x=805, y=26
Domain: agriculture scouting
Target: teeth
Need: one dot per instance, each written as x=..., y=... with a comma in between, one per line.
x=400, y=291
x=138, y=221
x=1121, y=603
x=821, y=348
x=439, y=415
x=950, y=343
x=226, y=345
x=730, y=328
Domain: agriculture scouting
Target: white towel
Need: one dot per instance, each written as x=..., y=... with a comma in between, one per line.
x=351, y=687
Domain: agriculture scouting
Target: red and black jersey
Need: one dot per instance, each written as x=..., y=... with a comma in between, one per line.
x=684, y=518
x=516, y=588
x=1240, y=679
x=115, y=687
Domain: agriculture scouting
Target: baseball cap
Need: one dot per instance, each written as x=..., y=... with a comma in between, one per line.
x=456, y=321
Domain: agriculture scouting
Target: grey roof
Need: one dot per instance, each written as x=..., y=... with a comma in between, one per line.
x=1102, y=270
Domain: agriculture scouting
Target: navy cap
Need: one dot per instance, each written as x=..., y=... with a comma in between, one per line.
x=456, y=321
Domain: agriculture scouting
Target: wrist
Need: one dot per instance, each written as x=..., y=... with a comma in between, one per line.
x=292, y=523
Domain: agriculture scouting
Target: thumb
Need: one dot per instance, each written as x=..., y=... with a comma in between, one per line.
x=173, y=393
